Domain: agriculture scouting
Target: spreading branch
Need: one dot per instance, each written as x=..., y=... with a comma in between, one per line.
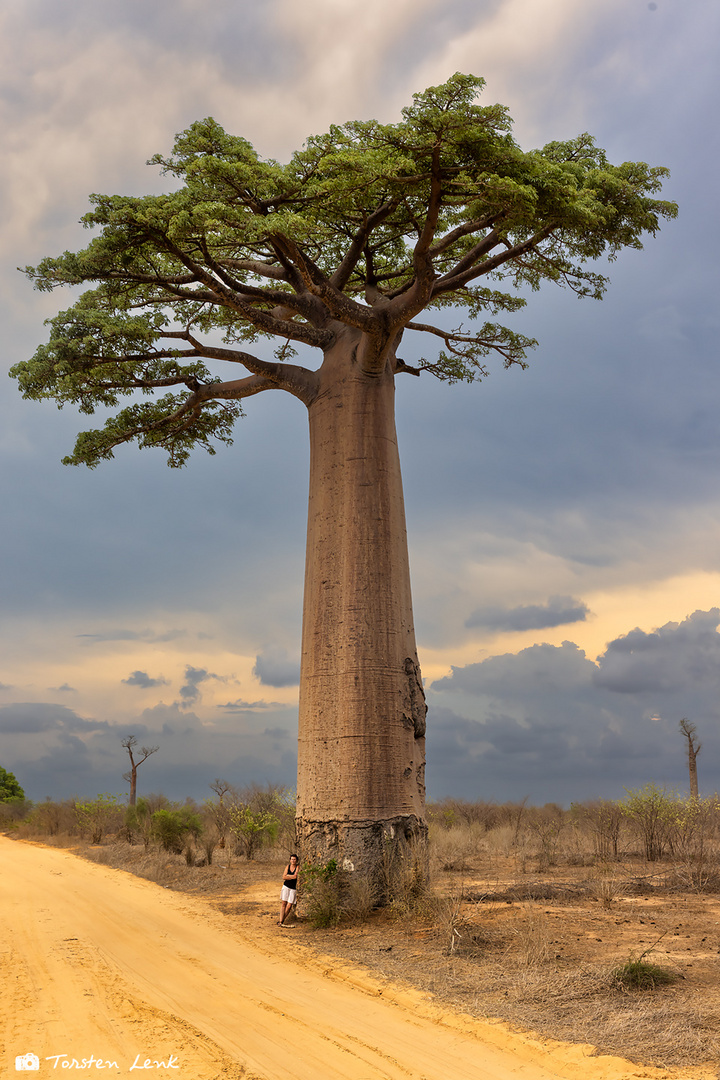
x=363, y=229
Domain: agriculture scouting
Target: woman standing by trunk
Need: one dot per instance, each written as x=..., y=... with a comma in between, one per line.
x=289, y=889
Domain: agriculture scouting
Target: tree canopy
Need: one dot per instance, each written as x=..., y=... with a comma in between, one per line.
x=364, y=228
x=10, y=789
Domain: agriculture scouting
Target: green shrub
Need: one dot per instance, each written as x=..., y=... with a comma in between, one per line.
x=638, y=974
x=99, y=816
x=652, y=810
x=253, y=828
x=171, y=828
x=322, y=889
x=139, y=822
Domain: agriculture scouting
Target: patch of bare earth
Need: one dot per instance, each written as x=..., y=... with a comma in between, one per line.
x=537, y=951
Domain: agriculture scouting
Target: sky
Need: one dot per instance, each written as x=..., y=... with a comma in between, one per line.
x=563, y=520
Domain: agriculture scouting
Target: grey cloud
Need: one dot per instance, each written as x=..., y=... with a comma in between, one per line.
x=174, y=717
x=274, y=668
x=253, y=41
x=277, y=732
x=546, y=668
x=190, y=690
x=558, y=611
x=147, y=636
x=251, y=706
x=64, y=689
x=546, y=756
x=549, y=723
x=34, y=717
x=676, y=657
x=117, y=635
x=144, y=681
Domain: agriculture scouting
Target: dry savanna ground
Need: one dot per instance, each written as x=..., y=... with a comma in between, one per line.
x=507, y=932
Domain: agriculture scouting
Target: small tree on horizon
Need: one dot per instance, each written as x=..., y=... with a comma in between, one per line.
x=693, y=749
x=340, y=250
x=131, y=775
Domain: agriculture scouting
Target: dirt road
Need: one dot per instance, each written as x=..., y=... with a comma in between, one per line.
x=106, y=974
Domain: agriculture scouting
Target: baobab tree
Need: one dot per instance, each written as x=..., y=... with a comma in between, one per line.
x=693, y=748
x=131, y=775
x=340, y=251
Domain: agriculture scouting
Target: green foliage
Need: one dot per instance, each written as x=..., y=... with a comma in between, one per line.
x=322, y=889
x=253, y=827
x=10, y=789
x=364, y=228
x=99, y=816
x=171, y=828
x=641, y=975
x=652, y=810
x=139, y=822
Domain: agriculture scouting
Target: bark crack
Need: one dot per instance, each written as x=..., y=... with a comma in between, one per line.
x=418, y=708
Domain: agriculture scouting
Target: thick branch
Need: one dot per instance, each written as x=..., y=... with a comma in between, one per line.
x=224, y=295
x=412, y=300
x=338, y=305
x=299, y=381
x=237, y=389
x=352, y=256
x=258, y=267
x=454, y=280
x=422, y=259
x=483, y=246
x=466, y=229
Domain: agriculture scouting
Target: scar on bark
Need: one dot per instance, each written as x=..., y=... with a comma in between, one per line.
x=416, y=694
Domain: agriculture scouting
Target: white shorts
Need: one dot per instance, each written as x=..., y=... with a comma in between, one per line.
x=288, y=895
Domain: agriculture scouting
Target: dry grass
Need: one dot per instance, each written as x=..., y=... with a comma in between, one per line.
x=542, y=954
x=498, y=937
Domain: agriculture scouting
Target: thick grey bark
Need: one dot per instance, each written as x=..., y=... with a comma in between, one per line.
x=361, y=757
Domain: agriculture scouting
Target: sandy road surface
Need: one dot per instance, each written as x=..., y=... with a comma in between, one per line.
x=104, y=974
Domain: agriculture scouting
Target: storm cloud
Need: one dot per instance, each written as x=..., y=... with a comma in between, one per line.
x=33, y=717
x=576, y=499
x=550, y=720
x=559, y=611
x=677, y=658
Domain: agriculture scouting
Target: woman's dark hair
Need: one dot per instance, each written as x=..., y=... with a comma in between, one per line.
x=294, y=856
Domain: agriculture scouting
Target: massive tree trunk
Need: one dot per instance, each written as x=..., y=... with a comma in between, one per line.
x=361, y=758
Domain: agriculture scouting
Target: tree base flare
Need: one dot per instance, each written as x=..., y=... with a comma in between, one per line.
x=390, y=856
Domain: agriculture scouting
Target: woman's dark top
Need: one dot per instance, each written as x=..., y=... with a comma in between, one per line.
x=290, y=880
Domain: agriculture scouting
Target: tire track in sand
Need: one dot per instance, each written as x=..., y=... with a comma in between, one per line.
x=99, y=962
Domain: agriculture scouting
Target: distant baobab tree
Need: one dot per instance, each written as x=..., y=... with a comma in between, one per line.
x=131, y=774
x=694, y=747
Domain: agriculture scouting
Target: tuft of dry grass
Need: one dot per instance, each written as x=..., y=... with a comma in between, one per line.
x=530, y=946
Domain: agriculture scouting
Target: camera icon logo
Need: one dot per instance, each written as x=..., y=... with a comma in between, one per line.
x=27, y=1063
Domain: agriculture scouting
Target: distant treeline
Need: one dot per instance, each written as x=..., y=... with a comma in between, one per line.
x=651, y=823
